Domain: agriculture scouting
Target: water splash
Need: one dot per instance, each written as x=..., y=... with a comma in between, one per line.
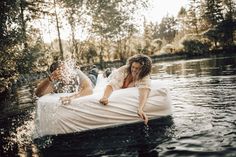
x=146, y=130
x=68, y=70
x=70, y=81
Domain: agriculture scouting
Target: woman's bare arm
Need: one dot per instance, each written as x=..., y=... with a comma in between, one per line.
x=143, y=96
x=106, y=95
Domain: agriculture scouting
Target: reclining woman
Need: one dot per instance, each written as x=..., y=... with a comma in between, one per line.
x=61, y=80
x=136, y=73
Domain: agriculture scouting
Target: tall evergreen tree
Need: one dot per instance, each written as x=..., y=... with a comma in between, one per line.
x=193, y=16
x=167, y=28
x=213, y=12
x=182, y=19
x=230, y=8
x=228, y=26
x=221, y=17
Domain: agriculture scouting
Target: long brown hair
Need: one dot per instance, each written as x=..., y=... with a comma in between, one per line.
x=146, y=64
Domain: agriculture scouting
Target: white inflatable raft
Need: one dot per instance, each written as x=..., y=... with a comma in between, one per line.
x=87, y=113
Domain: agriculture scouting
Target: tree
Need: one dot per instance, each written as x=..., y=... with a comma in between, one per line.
x=193, y=16
x=194, y=46
x=226, y=31
x=10, y=34
x=91, y=54
x=213, y=12
x=58, y=29
x=76, y=16
x=228, y=26
x=230, y=7
x=167, y=28
x=182, y=19
x=222, y=25
x=111, y=20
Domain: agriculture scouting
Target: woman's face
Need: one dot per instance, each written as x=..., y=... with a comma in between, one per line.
x=135, y=68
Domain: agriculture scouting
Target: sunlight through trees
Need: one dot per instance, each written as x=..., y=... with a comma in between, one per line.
x=104, y=30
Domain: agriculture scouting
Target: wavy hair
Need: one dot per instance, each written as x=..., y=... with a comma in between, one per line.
x=54, y=66
x=146, y=64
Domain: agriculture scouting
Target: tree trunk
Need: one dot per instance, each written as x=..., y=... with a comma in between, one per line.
x=58, y=32
x=74, y=42
x=101, y=55
x=23, y=25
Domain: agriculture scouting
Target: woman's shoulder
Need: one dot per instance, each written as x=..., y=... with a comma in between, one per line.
x=118, y=73
x=123, y=68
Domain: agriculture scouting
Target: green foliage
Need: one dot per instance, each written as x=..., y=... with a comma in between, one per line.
x=213, y=12
x=112, y=19
x=167, y=29
x=226, y=29
x=230, y=7
x=28, y=60
x=193, y=16
x=91, y=54
x=110, y=28
x=15, y=54
x=215, y=19
x=9, y=30
x=213, y=34
x=108, y=20
x=9, y=40
x=195, y=46
x=222, y=34
x=8, y=72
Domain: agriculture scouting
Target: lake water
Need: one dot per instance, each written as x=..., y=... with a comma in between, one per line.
x=203, y=122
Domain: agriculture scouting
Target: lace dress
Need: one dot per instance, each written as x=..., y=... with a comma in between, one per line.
x=116, y=79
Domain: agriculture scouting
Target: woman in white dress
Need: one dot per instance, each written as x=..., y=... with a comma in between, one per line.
x=136, y=73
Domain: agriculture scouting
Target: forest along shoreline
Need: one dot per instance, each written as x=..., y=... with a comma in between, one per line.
x=32, y=79
x=9, y=99
x=26, y=79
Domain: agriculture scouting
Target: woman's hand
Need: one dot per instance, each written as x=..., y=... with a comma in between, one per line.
x=104, y=100
x=143, y=115
x=107, y=93
x=65, y=100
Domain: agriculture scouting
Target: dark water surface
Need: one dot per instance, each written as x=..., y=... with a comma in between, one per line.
x=203, y=122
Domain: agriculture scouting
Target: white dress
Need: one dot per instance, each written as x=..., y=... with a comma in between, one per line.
x=117, y=78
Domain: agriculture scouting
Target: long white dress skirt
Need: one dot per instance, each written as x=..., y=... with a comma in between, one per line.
x=87, y=113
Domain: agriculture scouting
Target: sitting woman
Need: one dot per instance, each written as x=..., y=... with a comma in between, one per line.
x=65, y=80
x=135, y=74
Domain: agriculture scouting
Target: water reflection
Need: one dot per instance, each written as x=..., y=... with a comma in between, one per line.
x=203, y=122
x=202, y=67
x=203, y=93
